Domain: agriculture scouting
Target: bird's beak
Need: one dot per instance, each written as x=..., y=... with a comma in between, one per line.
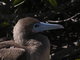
x=39, y=27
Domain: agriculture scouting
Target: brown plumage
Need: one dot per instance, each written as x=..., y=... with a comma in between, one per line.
x=28, y=44
x=32, y=45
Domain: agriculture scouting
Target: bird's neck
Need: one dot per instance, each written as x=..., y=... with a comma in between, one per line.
x=20, y=38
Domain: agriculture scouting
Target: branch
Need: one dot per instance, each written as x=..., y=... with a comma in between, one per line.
x=71, y=18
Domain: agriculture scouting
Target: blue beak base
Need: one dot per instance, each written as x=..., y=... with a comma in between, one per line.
x=41, y=26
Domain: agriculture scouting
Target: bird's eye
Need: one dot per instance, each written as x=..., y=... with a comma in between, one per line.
x=36, y=25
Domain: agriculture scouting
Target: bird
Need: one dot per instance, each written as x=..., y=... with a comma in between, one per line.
x=28, y=43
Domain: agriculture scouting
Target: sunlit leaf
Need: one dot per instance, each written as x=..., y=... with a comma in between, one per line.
x=53, y=3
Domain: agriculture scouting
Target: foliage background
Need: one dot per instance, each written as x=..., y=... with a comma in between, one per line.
x=44, y=10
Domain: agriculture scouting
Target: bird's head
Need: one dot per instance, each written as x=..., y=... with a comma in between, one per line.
x=29, y=25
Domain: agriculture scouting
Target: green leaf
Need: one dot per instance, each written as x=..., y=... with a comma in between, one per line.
x=77, y=59
x=3, y=24
x=17, y=1
x=53, y=3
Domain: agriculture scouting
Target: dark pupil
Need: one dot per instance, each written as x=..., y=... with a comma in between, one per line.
x=36, y=25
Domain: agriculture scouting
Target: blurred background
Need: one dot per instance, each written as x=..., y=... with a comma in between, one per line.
x=65, y=43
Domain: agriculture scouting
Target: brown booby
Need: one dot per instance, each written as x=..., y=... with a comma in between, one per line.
x=27, y=41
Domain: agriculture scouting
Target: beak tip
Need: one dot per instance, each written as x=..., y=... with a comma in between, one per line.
x=58, y=26
x=61, y=27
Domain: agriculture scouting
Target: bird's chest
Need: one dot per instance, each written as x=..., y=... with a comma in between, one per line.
x=32, y=45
